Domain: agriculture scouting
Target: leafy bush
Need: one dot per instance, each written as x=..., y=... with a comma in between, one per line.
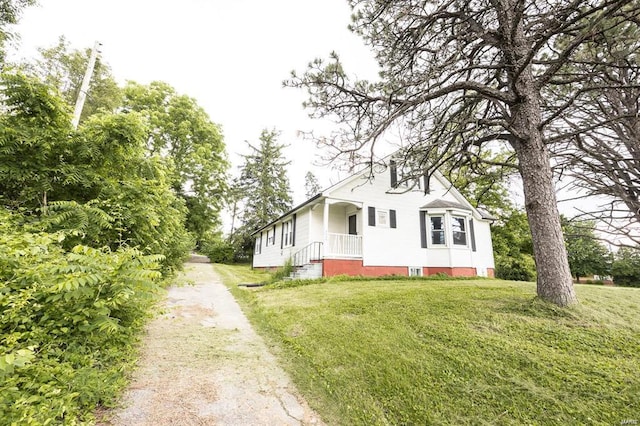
x=69, y=320
x=217, y=249
x=626, y=267
x=520, y=267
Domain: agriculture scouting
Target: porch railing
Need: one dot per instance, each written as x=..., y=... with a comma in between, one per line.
x=344, y=245
x=307, y=254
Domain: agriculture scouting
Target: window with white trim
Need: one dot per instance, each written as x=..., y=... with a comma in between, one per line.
x=459, y=230
x=258, y=246
x=287, y=233
x=383, y=218
x=437, y=230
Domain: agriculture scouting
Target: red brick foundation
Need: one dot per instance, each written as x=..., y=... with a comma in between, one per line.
x=452, y=272
x=331, y=267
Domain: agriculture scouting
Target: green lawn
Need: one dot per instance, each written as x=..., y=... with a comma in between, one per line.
x=453, y=352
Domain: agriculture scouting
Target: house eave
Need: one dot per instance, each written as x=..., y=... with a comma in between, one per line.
x=290, y=212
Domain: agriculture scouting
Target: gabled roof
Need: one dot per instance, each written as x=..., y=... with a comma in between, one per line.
x=463, y=205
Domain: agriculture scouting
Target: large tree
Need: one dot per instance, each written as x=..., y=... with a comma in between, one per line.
x=96, y=184
x=457, y=75
x=600, y=127
x=263, y=185
x=181, y=130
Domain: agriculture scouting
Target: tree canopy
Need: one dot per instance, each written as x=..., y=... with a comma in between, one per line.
x=456, y=77
x=64, y=68
x=180, y=130
x=9, y=14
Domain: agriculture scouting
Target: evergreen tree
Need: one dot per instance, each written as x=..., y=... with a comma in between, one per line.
x=264, y=186
x=311, y=185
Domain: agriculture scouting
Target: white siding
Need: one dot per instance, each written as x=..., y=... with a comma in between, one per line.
x=383, y=245
x=273, y=255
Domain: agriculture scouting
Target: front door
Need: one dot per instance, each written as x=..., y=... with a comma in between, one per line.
x=353, y=229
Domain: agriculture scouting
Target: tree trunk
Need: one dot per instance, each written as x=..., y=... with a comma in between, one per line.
x=555, y=283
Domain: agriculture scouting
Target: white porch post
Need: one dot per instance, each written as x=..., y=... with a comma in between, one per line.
x=325, y=227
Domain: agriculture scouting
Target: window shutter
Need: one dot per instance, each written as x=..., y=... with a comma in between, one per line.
x=394, y=173
x=282, y=235
x=392, y=218
x=372, y=216
x=423, y=229
x=293, y=239
x=473, y=235
x=260, y=246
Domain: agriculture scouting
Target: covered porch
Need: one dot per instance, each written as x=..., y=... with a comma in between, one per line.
x=335, y=232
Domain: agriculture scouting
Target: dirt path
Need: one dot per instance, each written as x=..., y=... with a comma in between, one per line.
x=202, y=364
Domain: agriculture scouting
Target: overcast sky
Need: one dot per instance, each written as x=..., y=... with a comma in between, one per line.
x=231, y=56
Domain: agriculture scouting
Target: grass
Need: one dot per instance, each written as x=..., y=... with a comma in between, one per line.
x=453, y=352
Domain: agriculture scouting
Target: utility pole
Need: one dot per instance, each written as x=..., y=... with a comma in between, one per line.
x=82, y=95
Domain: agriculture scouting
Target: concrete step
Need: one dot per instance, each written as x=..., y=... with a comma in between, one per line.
x=307, y=272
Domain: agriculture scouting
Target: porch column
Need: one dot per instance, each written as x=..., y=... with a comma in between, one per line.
x=325, y=227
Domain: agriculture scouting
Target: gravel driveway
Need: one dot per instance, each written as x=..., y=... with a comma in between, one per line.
x=203, y=364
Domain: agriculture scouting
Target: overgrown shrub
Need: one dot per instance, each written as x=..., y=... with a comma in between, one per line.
x=218, y=250
x=283, y=272
x=517, y=268
x=69, y=320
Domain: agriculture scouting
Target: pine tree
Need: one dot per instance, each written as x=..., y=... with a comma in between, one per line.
x=311, y=185
x=264, y=186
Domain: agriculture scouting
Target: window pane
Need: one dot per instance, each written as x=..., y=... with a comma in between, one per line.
x=437, y=230
x=459, y=231
x=436, y=223
x=437, y=237
x=383, y=218
x=458, y=224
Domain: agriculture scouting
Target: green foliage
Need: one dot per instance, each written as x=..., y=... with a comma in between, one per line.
x=512, y=247
x=626, y=267
x=484, y=182
x=69, y=320
x=586, y=255
x=105, y=189
x=35, y=150
x=453, y=352
x=64, y=68
x=311, y=185
x=263, y=188
x=218, y=249
x=181, y=131
x=9, y=14
x=283, y=272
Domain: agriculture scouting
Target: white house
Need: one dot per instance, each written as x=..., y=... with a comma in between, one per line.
x=378, y=226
